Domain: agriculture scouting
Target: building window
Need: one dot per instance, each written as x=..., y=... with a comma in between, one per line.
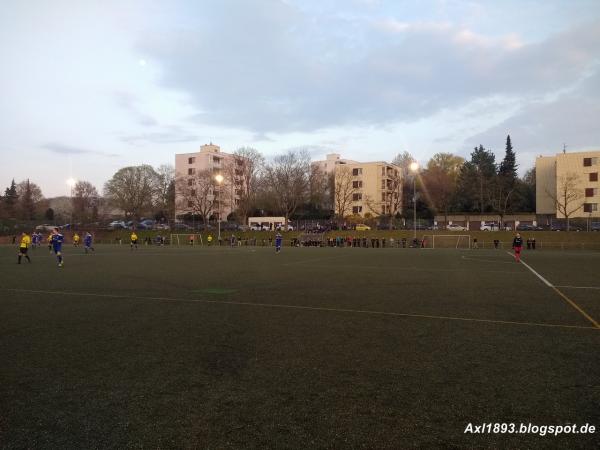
x=382, y=184
x=356, y=197
x=590, y=207
x=193, y=192
x=191, y=160
x=191, y=171
x=357, y=184
x=216, y=160
x=594, y=176
x=356, y=172
x=588, y=162
x=190, y=204
x=190, y=182
x=356, y=209
x=591, y=192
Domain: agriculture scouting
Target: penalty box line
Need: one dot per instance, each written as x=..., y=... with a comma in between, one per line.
x=307, y=308
x=561, y=294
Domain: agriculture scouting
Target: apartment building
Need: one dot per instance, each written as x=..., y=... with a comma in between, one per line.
x=570, y=178
x=196, y=175
x=374, y=187
x=331, y=161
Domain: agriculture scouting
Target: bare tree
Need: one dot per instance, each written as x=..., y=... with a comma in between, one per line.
x=344, y=188
x=165, y=191
x=198, y=194
x=85, y=200
x=29, y=196
x=568, y=196
x=319, y=195
x=287, y=179
x=440, y=180
x=247, y=170
x=132, y=189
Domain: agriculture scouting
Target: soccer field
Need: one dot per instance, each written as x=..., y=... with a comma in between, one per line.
x=311, y=348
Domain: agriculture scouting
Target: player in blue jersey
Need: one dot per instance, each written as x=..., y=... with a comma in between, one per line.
x=57, y=241
x=278, y=241
x=87, y=242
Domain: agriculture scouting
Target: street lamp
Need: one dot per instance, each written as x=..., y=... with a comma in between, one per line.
x=71, y=182
x=414, y=168
x=219, y=180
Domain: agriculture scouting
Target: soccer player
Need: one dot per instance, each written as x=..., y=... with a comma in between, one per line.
x=49, y=240
x=278, y=240
x=517, y=246
x=134, y=240
x=57, y=241
x=76, y=239
x=23, y=247
x=87, y=242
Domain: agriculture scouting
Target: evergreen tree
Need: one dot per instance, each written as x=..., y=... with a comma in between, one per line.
x=10, y=200
x=475, y=182
x=506, y=181
x=26, y=203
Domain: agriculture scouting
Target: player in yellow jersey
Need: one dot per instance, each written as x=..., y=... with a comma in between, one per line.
x=134, y=240
x=24, y=247
x=49, y=240
x=76, y=239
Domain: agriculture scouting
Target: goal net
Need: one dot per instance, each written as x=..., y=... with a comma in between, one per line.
x=460, y=241
x=186, y=239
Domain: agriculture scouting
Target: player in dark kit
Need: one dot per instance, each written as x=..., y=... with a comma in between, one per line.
x=517, y=246
x=278, y=240
x=87, y=243
x=57, y=241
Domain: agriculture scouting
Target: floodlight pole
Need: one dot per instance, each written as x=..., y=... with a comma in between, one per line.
x=219, y=180
x=414, y=167
x=415, y=205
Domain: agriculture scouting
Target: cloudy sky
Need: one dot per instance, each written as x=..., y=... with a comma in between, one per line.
x=88, y=87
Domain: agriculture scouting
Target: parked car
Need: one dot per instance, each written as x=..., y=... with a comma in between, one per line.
x=595, y=226
x=117, y=225
x=281, y=227
x=489, y=226
x=181, y=226
x=46, y=227
x=454, y=227
x=362, y=227
x=162, y=226
x=527, y=227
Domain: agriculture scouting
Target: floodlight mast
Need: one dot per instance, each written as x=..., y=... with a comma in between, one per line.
x=414, y=168
x=219, y=180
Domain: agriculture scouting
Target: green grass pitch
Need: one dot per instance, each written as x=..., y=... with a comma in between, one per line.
x=311, y=348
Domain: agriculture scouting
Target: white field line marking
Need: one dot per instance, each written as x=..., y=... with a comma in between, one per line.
x=486, y=260
x=567, y=299
x=421, y=269
x=308, y=308
x=579, y=287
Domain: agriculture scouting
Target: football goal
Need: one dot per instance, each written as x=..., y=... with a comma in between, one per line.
x=185, y=239
x=460, y=241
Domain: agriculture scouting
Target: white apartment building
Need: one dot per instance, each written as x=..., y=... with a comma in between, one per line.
x=370, y=187
x=207, y=163
x=570, y=175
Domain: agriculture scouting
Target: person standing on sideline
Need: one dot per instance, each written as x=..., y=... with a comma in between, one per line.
x=517, y=246
x=23, y=247
x=134, y=239
x=278, y=240
x=76, y=240
x=57, y=241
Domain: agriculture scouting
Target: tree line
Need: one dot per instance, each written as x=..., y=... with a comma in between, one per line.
x=290, y=186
